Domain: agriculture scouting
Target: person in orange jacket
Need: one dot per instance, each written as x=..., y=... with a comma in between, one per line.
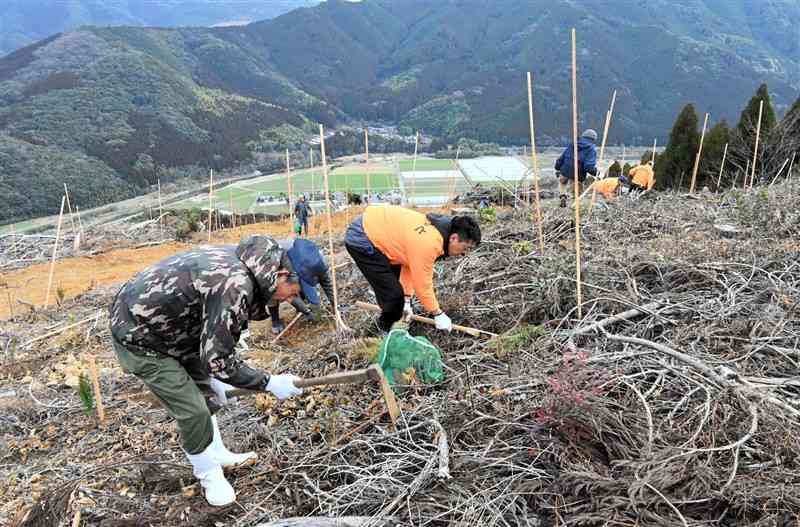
x=609, y=187
x=395, y=248
x=642, y=177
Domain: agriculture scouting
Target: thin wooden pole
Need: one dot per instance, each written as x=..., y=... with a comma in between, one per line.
x=160, y=214
x=338, y=317
x=755, y=150
x=576, y=181
x=366, y=150
x=69, y=210
x=791, y=165
x=697, y=157
x=722, y=166
x=210, y=206
x=230, y=202
x=55, y=251
x=653, y=159
x=779, y=172
x=452, y=194
x=98, y=394
x=414, y=171
x=609, y=115
x=535, y=165
x=289, y=190
x=311, y=163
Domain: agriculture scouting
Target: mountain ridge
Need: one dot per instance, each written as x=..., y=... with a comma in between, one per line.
x=147, y=103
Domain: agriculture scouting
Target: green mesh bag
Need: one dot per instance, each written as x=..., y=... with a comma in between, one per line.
x=403, y=355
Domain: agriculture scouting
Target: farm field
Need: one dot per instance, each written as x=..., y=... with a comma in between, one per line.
x=426, y=164
x=242, y=196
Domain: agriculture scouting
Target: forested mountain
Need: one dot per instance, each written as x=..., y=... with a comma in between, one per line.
x=112, y=105
x=23, y=22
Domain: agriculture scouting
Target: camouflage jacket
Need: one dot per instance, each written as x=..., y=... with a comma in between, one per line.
x=197, y=303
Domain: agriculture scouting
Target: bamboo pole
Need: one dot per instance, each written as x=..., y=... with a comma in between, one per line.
x=722, y=166
x=55, y=251
x=160, y=214
x=609, y=115
x=98, y=394
x=366, y=151
x=414, y=171
x=779, y=172
x=210, y=206
x=339, y=322
x=311, y=164
x=697, y=157
x=289, y=190
x=452, y=193
x=230, y=203
x=535, y=165
x=576, y=182
x=755, y=150
x=69, y=210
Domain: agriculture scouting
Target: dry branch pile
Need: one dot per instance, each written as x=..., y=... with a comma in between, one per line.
x=675, y=400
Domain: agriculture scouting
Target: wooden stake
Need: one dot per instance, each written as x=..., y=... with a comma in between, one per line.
x=98, y=394
x=210, y=207
x=755, y=150
x=160, y=214
x=535, y=165
x=289, y=190
x=791, y=165
x=602, y=158
x=452, y=194
x=722, y=166
x=311, y=163
x=779, y=172
x=414, y=171
x=69, y=210
x=697, y=157
x=55, y=251
x=366, y=151
x=230, y=201
x=653, y=159
x=576, y=182
x=337, y=315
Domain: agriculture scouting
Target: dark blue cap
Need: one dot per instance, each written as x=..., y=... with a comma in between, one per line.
x=309, y=265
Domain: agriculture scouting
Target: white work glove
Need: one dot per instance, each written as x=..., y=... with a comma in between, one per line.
x=282, y=386
x=219, y=388
x=443, y=322
x=407, y=310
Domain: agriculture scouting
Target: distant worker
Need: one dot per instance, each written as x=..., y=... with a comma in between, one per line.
x=395, y=248
x=302, y=210
x=587, y=164
x=642, y=177
x=304, y=260
x=608, y=187
x=177, y=325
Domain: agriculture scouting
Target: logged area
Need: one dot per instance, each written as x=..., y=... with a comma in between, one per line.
x=672, y=400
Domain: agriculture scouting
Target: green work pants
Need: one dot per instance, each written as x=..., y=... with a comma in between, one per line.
x=180, y=386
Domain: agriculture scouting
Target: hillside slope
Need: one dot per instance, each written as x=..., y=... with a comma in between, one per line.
x=144, y=103
x=23, y=22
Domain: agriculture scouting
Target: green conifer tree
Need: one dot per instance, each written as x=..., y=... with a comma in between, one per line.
x=678, y=157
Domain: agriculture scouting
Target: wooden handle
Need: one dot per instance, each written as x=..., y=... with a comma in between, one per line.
x=463, y=329
x=372, y=374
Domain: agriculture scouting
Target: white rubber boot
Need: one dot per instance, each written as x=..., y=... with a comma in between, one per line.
x=207, y=469
x=221, y=454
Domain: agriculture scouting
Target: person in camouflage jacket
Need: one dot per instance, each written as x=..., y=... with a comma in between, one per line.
x=176, y=326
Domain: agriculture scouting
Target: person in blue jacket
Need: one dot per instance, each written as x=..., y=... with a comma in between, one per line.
x=302, y=257
x=587, y=163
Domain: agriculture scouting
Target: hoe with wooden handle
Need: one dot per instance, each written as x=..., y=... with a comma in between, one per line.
x=469, y=331
x=372, y=374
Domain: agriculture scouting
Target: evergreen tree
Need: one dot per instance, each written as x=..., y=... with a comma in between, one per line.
x=749, y=118
x=678, y=158
x=713, y=149
x=615, y=170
